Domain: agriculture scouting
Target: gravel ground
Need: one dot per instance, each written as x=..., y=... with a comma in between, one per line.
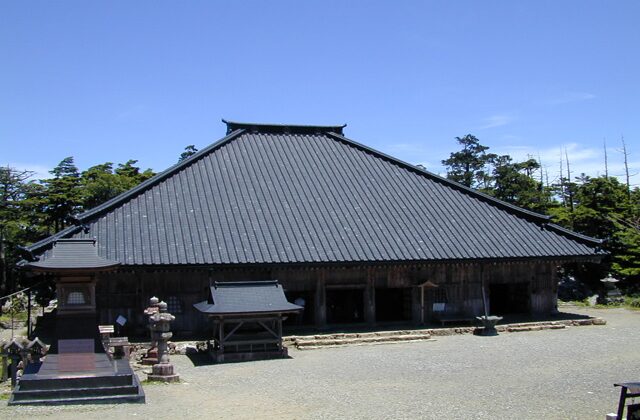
x=553, y=374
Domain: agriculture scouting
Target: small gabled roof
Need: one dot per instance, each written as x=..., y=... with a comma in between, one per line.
x=247, y=297
x=287, y=194
x=73, y=255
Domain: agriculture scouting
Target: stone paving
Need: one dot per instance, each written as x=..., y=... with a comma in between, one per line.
x=548, y=374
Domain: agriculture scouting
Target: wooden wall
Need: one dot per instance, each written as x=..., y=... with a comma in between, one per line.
x=127, y=292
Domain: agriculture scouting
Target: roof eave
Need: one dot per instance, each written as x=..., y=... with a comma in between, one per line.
x=73, y=270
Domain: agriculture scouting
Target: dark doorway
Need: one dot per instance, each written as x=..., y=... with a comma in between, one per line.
x=510, y=298
x=345, y=306
x=393, y=304
x=304, y=299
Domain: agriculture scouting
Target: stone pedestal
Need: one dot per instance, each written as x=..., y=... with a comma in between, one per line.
x=163, y=372
x=151, y=358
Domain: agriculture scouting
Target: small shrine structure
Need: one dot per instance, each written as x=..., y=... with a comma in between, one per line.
x=247, y=319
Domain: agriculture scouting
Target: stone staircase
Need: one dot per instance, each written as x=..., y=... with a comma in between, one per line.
x=120, y=384
x=309, y=342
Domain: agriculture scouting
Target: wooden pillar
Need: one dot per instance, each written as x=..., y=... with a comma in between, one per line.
x=279, y=322
x=553, y=279
x=416, y=305
x=28, y=313
x=320, y=304
x=370, y=300
x=221, y=334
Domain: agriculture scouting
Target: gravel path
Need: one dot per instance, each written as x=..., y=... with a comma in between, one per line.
x=553, y=374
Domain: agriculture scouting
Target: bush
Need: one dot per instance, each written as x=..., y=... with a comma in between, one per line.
x=632, y=301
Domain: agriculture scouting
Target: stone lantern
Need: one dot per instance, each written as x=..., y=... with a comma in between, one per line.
x=151, y=357
x=160, y=328
x=613, y=294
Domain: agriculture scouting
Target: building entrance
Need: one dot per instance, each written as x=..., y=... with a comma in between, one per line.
x=510, y=298
x=345, y=306
x=393, y=304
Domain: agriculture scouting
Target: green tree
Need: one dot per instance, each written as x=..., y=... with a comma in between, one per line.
x=101, y=183
x=469, y=165
x=514, y=182
x=20, y=219
x=598, y=203
x=602, y=209
x=63, y=193
x=132, y=174
x=189, y=151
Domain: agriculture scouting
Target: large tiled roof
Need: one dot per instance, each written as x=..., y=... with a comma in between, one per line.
x=288, y=194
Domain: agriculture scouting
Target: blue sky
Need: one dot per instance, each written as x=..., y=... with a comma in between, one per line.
x=109, y=81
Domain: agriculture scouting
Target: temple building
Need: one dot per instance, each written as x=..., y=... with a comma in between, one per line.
x=351, y=234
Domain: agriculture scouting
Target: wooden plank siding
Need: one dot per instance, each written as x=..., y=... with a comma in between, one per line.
x=127, y=292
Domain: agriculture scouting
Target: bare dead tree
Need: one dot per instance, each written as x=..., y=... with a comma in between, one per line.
x=564, y=200
x=569, y=189
x=626, y=166
x=606, y=161
x=541, y=170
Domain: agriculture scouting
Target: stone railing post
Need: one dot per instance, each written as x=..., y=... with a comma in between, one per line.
x=5, y=366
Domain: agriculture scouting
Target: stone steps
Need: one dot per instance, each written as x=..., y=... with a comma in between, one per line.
x=342, y=339
x=110, y=399
x=308, y=342
x=94, y=390
x=67, y=393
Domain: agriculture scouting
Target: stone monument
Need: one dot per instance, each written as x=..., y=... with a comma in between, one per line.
x=160, y=328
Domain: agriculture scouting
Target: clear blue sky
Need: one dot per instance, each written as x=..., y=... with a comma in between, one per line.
x=109, y=81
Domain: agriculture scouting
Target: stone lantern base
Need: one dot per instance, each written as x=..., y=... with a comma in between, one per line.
x=163, y=372
x=151, y=357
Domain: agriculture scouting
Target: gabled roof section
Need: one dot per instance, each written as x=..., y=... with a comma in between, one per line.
x=271, y=194
x=73, y=255
x=248, y=297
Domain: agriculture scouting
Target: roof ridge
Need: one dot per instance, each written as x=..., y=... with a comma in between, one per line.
x=246, y=283
x=282, y=128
